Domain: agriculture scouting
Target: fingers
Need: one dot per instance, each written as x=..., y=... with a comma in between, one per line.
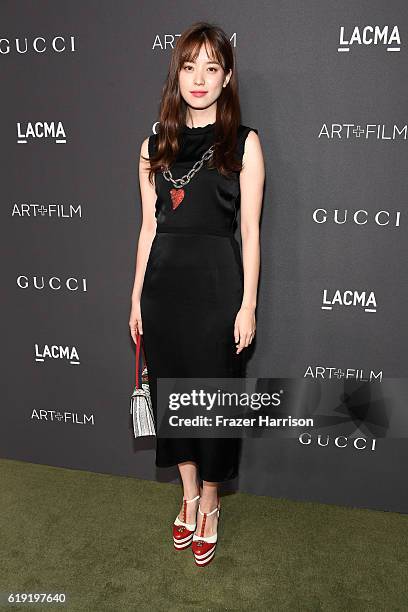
x=245, y=340
x=135, y=328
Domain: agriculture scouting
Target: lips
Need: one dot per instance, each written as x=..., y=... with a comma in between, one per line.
x=198, y=94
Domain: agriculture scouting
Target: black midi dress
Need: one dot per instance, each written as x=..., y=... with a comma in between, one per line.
x=192, y=292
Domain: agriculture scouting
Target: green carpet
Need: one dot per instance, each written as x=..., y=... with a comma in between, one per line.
x=106, y=542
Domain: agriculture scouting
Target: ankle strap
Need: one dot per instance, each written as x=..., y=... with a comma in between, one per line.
x=207, y=513
x=190, y=500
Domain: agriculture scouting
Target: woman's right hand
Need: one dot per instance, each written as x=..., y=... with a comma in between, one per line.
x=135, y=321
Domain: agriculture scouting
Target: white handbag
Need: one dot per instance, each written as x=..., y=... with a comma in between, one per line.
x=141, y=408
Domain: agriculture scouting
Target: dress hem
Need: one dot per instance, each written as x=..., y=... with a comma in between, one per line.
x=207, y=477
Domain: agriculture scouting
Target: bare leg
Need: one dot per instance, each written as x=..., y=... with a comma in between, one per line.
x=208, y=502
x=191, y=488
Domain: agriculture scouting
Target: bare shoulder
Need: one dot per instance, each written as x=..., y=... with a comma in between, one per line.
x=252, y=141
x=253, y=156
x=144, y=163
x=144, y=149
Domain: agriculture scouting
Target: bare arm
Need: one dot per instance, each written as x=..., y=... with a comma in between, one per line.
x=252, y=178
x=146, y=235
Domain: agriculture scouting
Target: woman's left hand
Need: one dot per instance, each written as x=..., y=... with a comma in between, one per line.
x=244, y=328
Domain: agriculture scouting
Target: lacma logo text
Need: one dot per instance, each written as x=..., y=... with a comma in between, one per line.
x=41, y=131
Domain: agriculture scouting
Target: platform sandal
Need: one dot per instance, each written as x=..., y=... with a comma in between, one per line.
x=203, y=547
x=182, y=531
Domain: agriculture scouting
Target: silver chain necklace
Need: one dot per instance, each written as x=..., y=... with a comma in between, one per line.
x=177, y=194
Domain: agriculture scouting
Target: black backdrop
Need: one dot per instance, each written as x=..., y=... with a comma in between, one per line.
x=324, y=83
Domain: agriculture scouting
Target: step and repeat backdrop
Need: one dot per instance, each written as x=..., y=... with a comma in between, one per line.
x=325, y=85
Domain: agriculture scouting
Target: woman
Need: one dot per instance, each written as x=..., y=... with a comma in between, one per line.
x=194, y=297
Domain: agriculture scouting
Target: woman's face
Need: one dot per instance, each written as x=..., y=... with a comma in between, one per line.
x=201, y=81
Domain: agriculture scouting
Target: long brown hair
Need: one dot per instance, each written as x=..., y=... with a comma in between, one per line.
x=173, y=108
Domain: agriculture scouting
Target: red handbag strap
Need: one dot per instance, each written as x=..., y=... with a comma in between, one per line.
x=139, y=346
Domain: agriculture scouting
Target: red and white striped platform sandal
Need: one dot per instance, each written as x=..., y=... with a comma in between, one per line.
x=182, y=531
x=203, y=547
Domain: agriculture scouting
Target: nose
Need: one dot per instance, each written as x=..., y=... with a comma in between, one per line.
x=198, y=79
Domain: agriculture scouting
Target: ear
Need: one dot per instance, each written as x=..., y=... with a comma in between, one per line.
x=227, y=78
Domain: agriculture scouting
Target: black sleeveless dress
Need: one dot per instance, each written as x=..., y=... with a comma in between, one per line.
x=192, y=291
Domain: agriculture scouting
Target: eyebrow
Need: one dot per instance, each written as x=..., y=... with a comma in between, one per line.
x=208, y=62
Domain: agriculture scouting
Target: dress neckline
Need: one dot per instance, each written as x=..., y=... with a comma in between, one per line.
x=202, y=129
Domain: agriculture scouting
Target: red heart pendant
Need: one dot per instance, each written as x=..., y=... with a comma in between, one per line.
x=177, y=196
